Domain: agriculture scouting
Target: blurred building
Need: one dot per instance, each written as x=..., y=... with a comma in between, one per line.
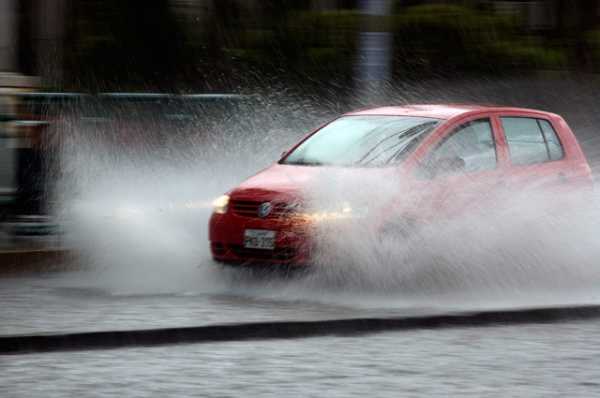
x=32, y=36
x=8, y=35
x=70, y=42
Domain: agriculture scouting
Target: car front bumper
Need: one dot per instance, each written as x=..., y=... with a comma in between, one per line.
x=293, y=245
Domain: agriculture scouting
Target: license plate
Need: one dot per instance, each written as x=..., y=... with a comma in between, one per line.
x=259, y=239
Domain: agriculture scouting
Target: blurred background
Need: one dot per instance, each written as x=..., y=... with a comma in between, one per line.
x=143, y=74
x=192, y=45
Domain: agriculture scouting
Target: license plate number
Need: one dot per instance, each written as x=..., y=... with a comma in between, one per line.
x=259, y=239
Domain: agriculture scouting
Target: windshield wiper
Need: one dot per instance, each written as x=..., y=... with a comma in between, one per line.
x=405, y=136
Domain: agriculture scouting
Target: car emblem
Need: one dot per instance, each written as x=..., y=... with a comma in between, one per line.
x=264, y=209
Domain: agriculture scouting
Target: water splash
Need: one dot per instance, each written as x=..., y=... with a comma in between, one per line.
x=138, y=218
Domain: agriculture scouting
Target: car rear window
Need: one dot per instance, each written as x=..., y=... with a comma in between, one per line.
x=531, y=140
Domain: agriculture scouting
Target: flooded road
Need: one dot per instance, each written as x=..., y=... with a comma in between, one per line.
x=533, y=361
x=79, y=302
x=537, y=360
x=67, y=303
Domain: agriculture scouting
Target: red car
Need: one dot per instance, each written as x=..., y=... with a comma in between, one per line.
x=437, y=151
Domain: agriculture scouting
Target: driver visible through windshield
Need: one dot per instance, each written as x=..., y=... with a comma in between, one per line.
x=366, y=141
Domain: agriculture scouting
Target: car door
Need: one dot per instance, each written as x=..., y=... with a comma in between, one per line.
x=462, y=167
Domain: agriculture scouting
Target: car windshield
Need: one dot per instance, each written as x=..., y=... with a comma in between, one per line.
x=366, y=141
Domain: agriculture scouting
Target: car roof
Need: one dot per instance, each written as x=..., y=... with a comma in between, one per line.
x=437, y=111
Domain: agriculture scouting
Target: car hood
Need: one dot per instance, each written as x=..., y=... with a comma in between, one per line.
x=293, y=181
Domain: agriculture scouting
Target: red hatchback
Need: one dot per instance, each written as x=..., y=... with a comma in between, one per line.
x=437, y=151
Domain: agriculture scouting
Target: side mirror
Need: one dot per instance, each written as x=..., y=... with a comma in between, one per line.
x=283, y=154
x=449, y=165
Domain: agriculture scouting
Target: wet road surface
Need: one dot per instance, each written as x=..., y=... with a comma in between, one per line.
x=527, y=360
x=532, y=361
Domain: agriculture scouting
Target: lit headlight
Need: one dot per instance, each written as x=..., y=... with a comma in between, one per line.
x=346, y=208
x=220, y=204
x=343, y=211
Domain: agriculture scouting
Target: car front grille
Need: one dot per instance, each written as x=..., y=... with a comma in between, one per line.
x=249, y=208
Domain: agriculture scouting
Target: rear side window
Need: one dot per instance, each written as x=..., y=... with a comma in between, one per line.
x=531, y=140
x=555, y=149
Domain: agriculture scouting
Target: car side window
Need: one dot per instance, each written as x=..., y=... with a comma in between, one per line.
x=531, y=140
x=555, y=149
x=471, y=145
